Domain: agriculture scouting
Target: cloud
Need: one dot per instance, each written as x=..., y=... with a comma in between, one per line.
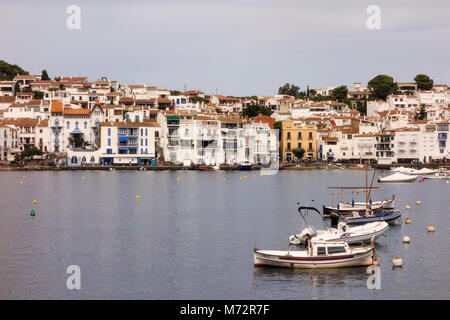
x=240, y=47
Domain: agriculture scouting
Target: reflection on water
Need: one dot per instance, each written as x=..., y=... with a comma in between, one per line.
x=193, y=238
x=342, y=277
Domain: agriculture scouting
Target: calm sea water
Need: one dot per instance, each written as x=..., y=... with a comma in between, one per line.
x=193, y=238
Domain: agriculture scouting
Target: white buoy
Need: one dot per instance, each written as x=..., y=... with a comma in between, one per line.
x=408, y=220
x=408, y=207
x=406, y=239
x=397, y=262
x=431, y=228
x=417, y=201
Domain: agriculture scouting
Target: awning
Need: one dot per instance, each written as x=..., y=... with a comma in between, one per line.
x=123, y=148
x=123, y=139
x=173, y=118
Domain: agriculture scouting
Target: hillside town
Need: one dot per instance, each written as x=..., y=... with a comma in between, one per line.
x=78, y=122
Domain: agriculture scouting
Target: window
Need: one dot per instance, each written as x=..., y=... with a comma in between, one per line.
x=321, y=251
x=299, y=137
x=145, y=142
x=85, y=124
x=289, y=135
x=289, y=146
x=108, y=151
x=109, y=131
x=332, y=250
x=142, y=132
x=310, y=136
x=146, y=131
x=68, y=124
x=310, y=146
x=299, y=145
x=109, y=142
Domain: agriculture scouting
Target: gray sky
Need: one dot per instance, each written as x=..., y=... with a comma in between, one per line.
x=247, y=47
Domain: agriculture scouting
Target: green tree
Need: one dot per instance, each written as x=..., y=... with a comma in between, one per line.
x=16, y=87
x=9, y=71
x=423, y=82
x=422, y=113
x=382, y=86
x=298, y=153
x=312, y=92
x=253, y=110
x=38, y=94
x=31, y=151
x=289, y=89
x=44, y=75
x=361, y=106
x=340, y=93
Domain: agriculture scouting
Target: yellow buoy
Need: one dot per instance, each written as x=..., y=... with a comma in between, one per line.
x=23, y=177
x=137, y=197
x=224, y=179
x=254, y=176
x=245, y=177
x=406, y=239
x=397, y=262
x=178, y=178
x=21, y=182
x=240, y=178
x=82, y=178
x=408, y=220
x=431, y=228
x=408, y=207
x=417, y=201
x=34, y=201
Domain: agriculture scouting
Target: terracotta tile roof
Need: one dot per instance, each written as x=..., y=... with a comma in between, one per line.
x=43, y=123
x=17, y=105
x=7, y=99
x=57, y=107
x=77, y=111
x=21, y=122
x=164, y=100
x=191, y=92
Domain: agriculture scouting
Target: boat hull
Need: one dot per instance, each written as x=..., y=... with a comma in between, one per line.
x=360, y=238
x=328, y=211
x=388, y=217
x=261, y=259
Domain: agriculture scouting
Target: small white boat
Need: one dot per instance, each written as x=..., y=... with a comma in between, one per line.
x=398, y=177
x=399, y=169
x=354, y=234
x=318, y=254
x=438, y=175
x=385, y=204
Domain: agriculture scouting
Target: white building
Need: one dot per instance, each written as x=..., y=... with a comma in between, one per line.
x=129, y=142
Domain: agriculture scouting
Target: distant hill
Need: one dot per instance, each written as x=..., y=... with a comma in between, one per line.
x=9, y=71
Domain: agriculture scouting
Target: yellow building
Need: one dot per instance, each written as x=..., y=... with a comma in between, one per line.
x=296, y=136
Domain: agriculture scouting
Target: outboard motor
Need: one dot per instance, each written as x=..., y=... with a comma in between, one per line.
x=334, y=220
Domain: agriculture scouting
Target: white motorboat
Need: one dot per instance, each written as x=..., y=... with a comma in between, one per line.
x=438, y=175
x=318, y=254
x=399, y=169
x=425, y=171
x=349, y=234
x=398, y=177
